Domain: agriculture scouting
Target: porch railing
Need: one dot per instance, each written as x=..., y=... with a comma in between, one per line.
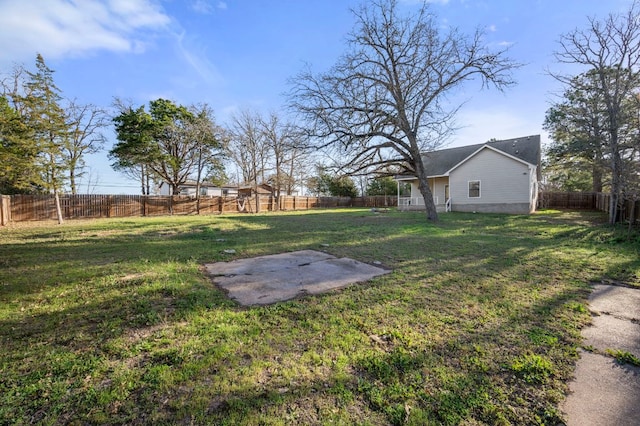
x=409, y=202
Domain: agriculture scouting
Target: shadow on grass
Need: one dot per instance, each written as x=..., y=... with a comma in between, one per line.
x=120, y=325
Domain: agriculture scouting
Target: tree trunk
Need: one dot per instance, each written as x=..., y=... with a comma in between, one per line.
x=596, y=181
x=632, y=217
x=142, y=175
x=198, y=181
x=615, y=184
x=72, y=180
x=423, y=186
x=58, y=208
x=148, y=179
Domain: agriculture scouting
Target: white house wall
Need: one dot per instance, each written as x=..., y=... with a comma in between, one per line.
x=505, y=184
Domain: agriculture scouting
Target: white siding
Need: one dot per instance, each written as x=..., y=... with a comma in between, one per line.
x=502, y=179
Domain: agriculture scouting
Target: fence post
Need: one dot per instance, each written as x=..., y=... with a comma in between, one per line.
x=5, y=210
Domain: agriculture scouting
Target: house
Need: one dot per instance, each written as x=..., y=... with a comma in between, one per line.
x=250, y=190
x=262, y=190
x=494, y=177
x=207, y=189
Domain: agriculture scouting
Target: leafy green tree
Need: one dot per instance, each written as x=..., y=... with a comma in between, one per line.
x=558, y=176
x=325, y=183
x=610, y=50
x=18, y=153
x=170, y=142
x=132, y=153
x=577, y=125
x=385, y=185
x=343, y=186
x=46, y=118
x=174, y=154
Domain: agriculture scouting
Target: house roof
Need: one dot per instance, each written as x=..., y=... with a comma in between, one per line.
x=440, y=163
x=263, y=188
x=193, y=184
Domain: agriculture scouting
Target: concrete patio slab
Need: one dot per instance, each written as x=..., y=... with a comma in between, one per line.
x=608, y=332
x=269, y=279
x=614, y=300
x=603, y=391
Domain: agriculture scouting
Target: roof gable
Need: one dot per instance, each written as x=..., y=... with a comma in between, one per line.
x=487, y=147
x=442, y=162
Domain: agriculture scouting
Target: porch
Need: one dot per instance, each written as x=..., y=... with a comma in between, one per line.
x=417, y=203
x=439, y=187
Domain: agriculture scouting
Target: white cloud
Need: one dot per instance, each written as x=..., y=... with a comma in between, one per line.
x=206, y=7
x=58, y=28
x=202, y=6
x=492, y=28
x=196, y=57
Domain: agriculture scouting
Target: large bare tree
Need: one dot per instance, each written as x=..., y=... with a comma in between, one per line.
x=610, y=50
x=86, y=125
x=285, y=147
x=248, y=147
x=385, y=102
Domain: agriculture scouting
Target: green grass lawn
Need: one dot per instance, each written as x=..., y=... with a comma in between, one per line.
x=114, y=321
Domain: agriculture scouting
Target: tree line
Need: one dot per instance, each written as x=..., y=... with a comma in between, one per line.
x=595, y=123
x=385, y=102
x=45, y=140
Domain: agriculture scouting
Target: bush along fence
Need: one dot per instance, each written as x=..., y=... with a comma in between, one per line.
x=629, y=211
x=22, y=208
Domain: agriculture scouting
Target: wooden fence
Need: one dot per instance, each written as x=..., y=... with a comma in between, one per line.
x=568, y=200
x=588, y=201
x=628, y=211
x=21, y=208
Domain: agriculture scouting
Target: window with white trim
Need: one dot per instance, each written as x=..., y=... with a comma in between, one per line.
x=474, y=189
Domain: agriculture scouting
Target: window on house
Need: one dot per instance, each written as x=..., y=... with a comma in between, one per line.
x=203, y=191
x=474, y=189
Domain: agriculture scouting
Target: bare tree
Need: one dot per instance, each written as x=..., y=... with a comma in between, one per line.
x=247, y=147
x=209, y=142
x=284, y=150
x=609, y=49
x=385, y=101
x=85, y=124
x=296, y=164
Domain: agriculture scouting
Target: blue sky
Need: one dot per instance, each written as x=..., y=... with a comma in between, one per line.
x=238, y=54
